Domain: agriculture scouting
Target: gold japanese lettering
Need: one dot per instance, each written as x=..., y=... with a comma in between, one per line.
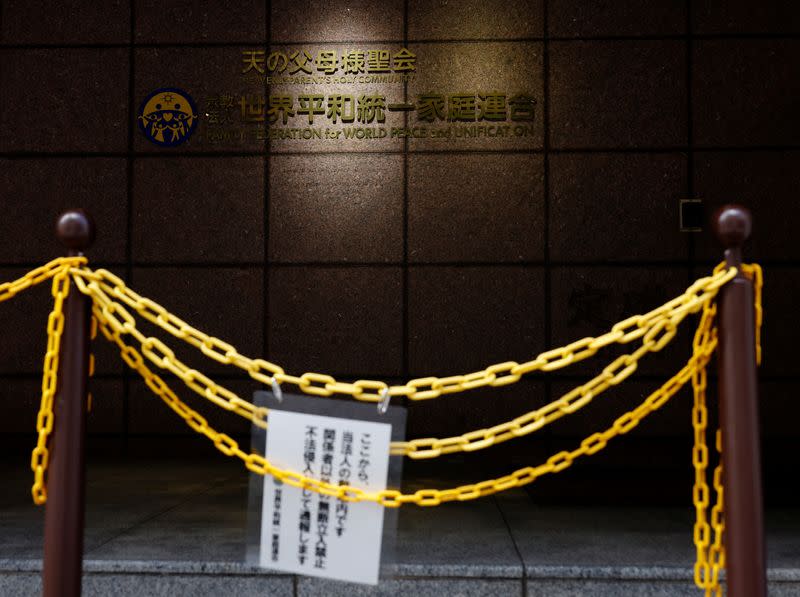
x=353, y=62
x=461, y=107
x=311, y=105
x=327, y=62
x=371, y=107
x=300, y=62
x=492, y=106
x=253, y=60
x=280, y=106
x=404, y=60
x=341, y=107
x=277, y=62
x=378, y=61
x=252, y=108
x=521, y=107
x=430, y=107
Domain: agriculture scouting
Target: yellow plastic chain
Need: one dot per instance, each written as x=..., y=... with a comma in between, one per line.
x=44, y=420
x=122, y=322
x=661, y=332
x=711, y=555
x=664, y=319
x=655, y=329
x=36, y=276
x=753, y=271
x=116, y=317
x=107, y=288
x=59, y=270
x=704, y=347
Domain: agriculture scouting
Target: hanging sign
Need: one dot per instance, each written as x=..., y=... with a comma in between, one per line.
x=304, y=532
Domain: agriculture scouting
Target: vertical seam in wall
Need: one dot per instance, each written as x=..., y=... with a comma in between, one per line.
x=3, y=54
x=690, y=249
x=405, y=271
x=265, y=270
x=126, y=377
x=548, y=328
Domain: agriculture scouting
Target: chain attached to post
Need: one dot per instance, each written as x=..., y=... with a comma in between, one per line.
x=9, y=290
x=705, y=344
x=111, y=301
x=113, y=310
x=114, y=296
x=655, y=330
x=711, y=555
x=58, y=270
x=44, y=421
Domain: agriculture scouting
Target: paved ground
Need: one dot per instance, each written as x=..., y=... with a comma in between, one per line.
x=178, y=528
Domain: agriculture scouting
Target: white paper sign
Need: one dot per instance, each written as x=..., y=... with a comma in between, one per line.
x=303, y=532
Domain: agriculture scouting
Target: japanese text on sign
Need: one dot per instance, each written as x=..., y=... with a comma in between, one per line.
x=367, y=109
x=304, y=532
x=305, y=66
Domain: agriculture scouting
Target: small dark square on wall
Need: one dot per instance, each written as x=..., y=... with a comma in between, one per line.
x=692, y=216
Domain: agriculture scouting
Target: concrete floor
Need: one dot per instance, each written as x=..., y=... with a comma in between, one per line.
x=179, y=528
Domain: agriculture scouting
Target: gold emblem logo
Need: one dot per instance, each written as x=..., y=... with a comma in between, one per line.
x=168, y=117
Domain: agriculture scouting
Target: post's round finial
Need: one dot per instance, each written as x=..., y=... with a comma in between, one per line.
x=732, y=225
x=75, y=229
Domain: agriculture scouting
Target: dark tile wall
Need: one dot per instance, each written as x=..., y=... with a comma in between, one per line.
x=398, y=258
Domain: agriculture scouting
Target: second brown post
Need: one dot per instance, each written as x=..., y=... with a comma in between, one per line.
x=66, y=479
x=745, y=553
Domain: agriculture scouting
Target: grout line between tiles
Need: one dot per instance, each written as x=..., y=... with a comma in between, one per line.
x=130, y=169
x=466, y=40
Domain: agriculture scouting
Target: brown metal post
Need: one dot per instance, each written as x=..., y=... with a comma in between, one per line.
x=738, y=397
x=66, y=479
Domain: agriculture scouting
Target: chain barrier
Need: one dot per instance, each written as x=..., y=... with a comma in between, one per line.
x=116, y=322
x=658, y=329
x=423, y=497
x=112, y=299
x=107, y=288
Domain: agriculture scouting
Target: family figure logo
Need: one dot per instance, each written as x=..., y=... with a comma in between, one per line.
x=168, y=117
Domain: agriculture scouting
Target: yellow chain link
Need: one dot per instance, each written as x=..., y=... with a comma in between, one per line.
x=424, y=497
x=107, y=288
x=654, y=338
x=36, y=276
x=711, y=555
x=45, y=419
